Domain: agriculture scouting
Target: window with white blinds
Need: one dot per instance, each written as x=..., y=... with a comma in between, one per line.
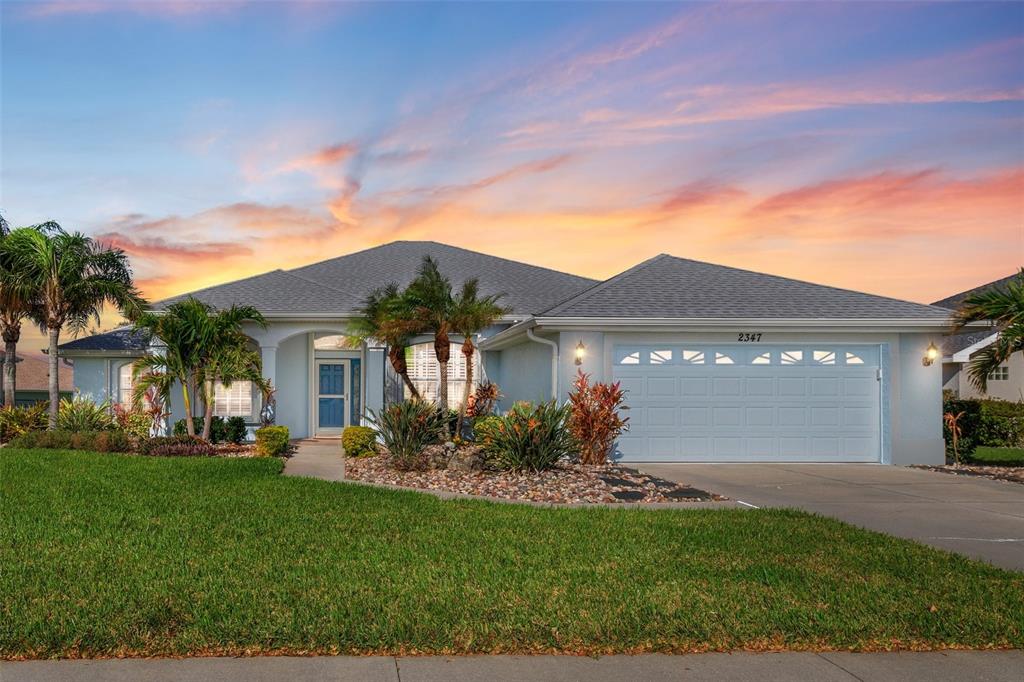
x=124, y=384
x=233, y=401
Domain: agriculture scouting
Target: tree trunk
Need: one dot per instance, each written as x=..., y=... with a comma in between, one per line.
x=397, y=356
x=10, y=371
x=442, y=349
x=54, y=334
x=467, y=350
x=190, y=428
x=207, y=418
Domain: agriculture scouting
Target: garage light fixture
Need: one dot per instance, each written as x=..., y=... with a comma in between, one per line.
x=581, y=351
x=931, y=354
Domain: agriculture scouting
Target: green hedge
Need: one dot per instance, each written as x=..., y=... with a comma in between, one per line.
x=359, y=441
x=95, y=441
x=230, y=430
x=272, y=441
x=989, y=422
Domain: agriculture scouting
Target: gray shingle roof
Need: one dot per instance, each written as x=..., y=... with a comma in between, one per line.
x=670, y=287
x=120, y=339
x=955, y=343
x=339, y=285
x=953, y=302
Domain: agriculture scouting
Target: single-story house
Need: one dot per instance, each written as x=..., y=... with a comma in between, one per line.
x=1006, y=383
x=32, y=381
x=720, y=364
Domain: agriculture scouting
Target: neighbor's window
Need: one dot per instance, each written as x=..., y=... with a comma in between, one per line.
x=1000, y=374
x=124, y=384
x=234, y=400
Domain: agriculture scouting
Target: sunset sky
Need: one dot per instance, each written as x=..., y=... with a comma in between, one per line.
x=878, y=147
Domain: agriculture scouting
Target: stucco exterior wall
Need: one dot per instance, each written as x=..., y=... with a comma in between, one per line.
x=523, y=372
x=1010, y=389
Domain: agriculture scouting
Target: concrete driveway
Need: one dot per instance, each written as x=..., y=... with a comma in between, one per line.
x=974, y=516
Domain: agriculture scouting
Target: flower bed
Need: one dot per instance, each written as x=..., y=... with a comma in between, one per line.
x=564, y=484
x=1009, y=474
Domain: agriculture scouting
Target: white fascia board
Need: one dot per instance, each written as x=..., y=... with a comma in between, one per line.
x=100, y=353
x=507, y=337
x=965, y=354
x=717, y=324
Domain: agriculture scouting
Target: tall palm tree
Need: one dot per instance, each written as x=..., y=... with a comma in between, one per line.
x=430, y=296
x=16, y=305
x=1004, y=308
x=471, y=314
x=201, y=346
x=386, y=316
x=73, y=276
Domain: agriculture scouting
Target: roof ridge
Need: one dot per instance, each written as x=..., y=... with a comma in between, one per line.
x=312, y=281
x=808, y=282
x=599, y=286
x=447, y=246
x=214, y=286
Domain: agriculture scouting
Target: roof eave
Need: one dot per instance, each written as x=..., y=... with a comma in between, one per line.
x=512, y=334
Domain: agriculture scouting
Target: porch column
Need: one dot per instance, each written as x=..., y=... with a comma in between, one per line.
x=269, y=354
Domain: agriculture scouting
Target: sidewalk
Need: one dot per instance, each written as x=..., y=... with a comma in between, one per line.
x=933, y=666
x=317, y=459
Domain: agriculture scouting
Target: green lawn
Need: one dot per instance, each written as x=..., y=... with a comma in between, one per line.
x=117, y=555
x=987, y=455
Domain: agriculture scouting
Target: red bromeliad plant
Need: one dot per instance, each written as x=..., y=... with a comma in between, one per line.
x=595, y=420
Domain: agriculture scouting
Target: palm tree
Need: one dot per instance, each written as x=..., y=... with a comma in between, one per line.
x=1004, y=308
x=201, y=347
x=73, y=277
x=471, y=314
x=231, y=359
x=16, y=305
x=387, y=317
x=430, y=296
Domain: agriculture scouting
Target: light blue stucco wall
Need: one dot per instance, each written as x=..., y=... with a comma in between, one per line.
x=90, y=376
x=522, y=372
x=293, y=385
x=916, y=404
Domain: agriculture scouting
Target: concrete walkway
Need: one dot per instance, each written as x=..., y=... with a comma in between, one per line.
x=317, y=459
x=933, y=666
x=975, y=516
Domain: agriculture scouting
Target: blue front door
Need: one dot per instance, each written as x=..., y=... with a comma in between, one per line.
x=332, y=396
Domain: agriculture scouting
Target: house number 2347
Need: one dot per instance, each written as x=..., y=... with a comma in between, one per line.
x=749, y=337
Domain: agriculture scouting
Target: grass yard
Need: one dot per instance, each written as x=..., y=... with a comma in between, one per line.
x=106, y=555
x=987, y=455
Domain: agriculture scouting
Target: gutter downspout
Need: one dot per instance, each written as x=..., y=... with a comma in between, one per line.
x=554, y=360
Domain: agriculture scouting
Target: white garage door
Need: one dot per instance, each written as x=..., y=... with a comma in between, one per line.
x=750, y=403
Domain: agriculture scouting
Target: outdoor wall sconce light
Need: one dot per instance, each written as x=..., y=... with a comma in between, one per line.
x=931, y=354
x=581, y=351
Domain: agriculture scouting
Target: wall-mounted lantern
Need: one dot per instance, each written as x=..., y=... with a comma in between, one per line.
x=581, y=352
x=931, y=354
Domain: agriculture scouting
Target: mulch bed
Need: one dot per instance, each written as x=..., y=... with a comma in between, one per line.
x=232, y=450
x=565, y=484
x=996, y=473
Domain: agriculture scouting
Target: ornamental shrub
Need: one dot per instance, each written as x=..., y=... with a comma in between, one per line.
x=135, y=423
x=359, y=441
x=95, y=441
x=530, y=438
x=271, y=441
x=483, y=427
x=176, y=446
x=595, y=419
x=17, y=421
x=235, y=430
x=407, y=428
x=988, y=422
x=218, y=428
x=82, y=414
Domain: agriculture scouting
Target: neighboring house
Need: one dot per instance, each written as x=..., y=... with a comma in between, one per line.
x=1006, y=383
x=33, y=380
x=720, y=364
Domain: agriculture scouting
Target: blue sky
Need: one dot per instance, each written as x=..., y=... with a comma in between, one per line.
x=873, y=146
